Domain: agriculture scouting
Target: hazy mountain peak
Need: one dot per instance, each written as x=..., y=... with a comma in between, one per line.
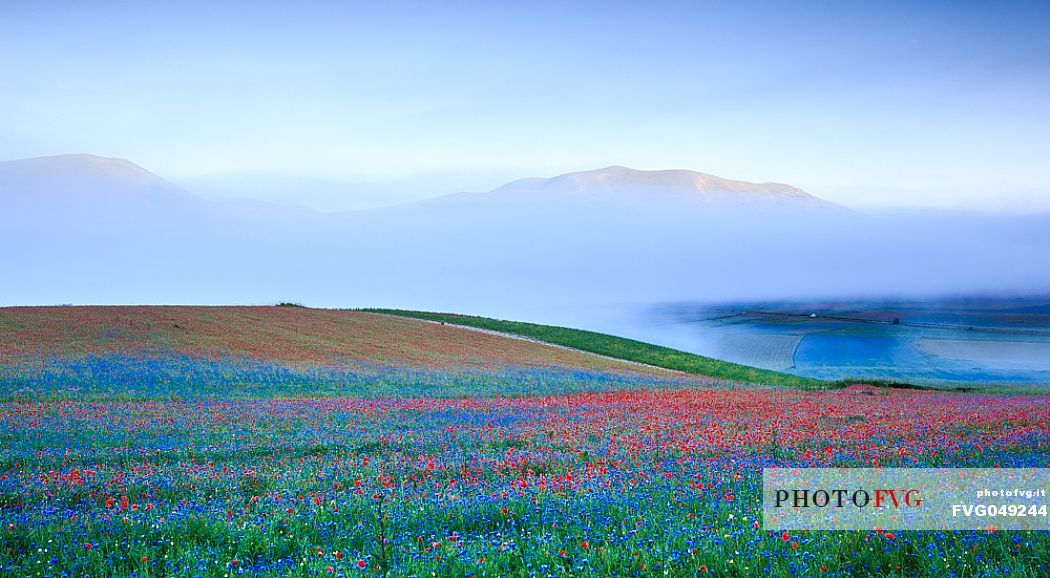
x=86, y=189
x=83, y=176
x=80, y=162
x=90, y=161
x=627, y=183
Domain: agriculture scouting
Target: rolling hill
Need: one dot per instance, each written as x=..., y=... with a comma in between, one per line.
x=618, y=348
x=136, y=352
x=129, y=351
x=297, y=336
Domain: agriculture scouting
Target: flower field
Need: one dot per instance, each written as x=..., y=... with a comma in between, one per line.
x=218, y=442
x=606, y=483
x=289, y=336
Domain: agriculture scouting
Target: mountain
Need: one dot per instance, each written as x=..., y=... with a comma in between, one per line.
x=79, y=181
x=663, y=190
x=75, y=183
x=683, y=184
x=84, y=188
x=84, y=229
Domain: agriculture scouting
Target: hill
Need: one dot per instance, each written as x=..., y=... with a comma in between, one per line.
x=289, y=335
x=619, y=348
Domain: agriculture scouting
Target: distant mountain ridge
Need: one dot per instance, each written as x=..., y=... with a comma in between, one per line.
x=661, y=190
x=89, y=186
x=92, y=230
x=84, y=179
x=618, y=177
x=79, y=176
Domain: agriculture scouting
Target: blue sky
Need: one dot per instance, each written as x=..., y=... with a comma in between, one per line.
x=881, y=103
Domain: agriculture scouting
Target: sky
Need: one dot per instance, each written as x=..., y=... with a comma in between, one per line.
x=342, y=105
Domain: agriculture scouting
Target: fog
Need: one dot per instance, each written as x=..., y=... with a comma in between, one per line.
x=571, y=259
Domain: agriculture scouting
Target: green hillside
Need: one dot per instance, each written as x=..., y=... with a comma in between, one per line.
x=619, y=347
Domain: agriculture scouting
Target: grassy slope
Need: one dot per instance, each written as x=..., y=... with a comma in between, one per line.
x=619, y=348
x=291, y=335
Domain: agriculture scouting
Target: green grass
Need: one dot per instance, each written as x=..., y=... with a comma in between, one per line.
x=620, y=348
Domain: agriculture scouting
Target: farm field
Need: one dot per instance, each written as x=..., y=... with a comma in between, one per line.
x=288, y=335
x=217, y=460
x=111, y=353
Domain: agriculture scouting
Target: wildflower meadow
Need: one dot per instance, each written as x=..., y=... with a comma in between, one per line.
x=181, y=466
